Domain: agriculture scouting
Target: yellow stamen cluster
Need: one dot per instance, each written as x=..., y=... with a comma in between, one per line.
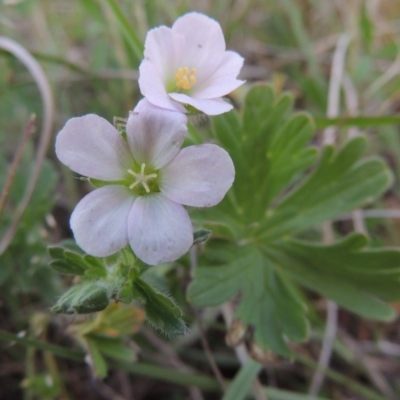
x=185, y=78
x=141, y=178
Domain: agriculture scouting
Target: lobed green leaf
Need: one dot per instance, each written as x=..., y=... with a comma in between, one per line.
x=340, y=183
x=268, y=302
x=271, y=200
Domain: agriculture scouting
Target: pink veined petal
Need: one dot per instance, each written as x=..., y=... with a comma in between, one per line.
x=155, y=135
x=198, y=176
x=159, y=229
x=204, y=43
x=207, y=106
x=91, y=146
x=153, y=87
x=99, y=221
x=223, y=80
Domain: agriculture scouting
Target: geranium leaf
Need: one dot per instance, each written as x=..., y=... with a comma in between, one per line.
x=161, y=311
x=268, y=149
x=357, y=278
x=287, y=156
x=267, y=301
x=272, y=199
x=341, y=182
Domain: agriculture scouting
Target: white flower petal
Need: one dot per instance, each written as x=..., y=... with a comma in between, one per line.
x=198, y=176
x=99, y=221
x=91, y=146
x=163, y=48
x=195, y=42
x=207, y=106
x=223, y=80
x=155, y=135
x=159, y=229
x=204, y=43
x=153, y=88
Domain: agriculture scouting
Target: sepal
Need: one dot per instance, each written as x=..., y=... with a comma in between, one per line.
x=201, y=235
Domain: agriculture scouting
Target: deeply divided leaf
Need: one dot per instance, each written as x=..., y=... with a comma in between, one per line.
x=340, y=183
x=280, y=190
x=265, y=295
x=359, y=279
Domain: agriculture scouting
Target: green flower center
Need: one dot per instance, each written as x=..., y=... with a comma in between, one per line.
x=143, y=179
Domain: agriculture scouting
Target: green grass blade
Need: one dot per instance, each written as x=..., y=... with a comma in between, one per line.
x=240, y=386
x=351, y=384
x=296, y=21
x=278, y=394
x=38, y=344
x=126, y=28
x=142, y=369
x=166, y=374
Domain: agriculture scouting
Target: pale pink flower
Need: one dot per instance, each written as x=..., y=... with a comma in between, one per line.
x=148, y=181
x=188, y=65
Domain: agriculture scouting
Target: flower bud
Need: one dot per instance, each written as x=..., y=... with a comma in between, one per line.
x=85, y=298
x=93, y=298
